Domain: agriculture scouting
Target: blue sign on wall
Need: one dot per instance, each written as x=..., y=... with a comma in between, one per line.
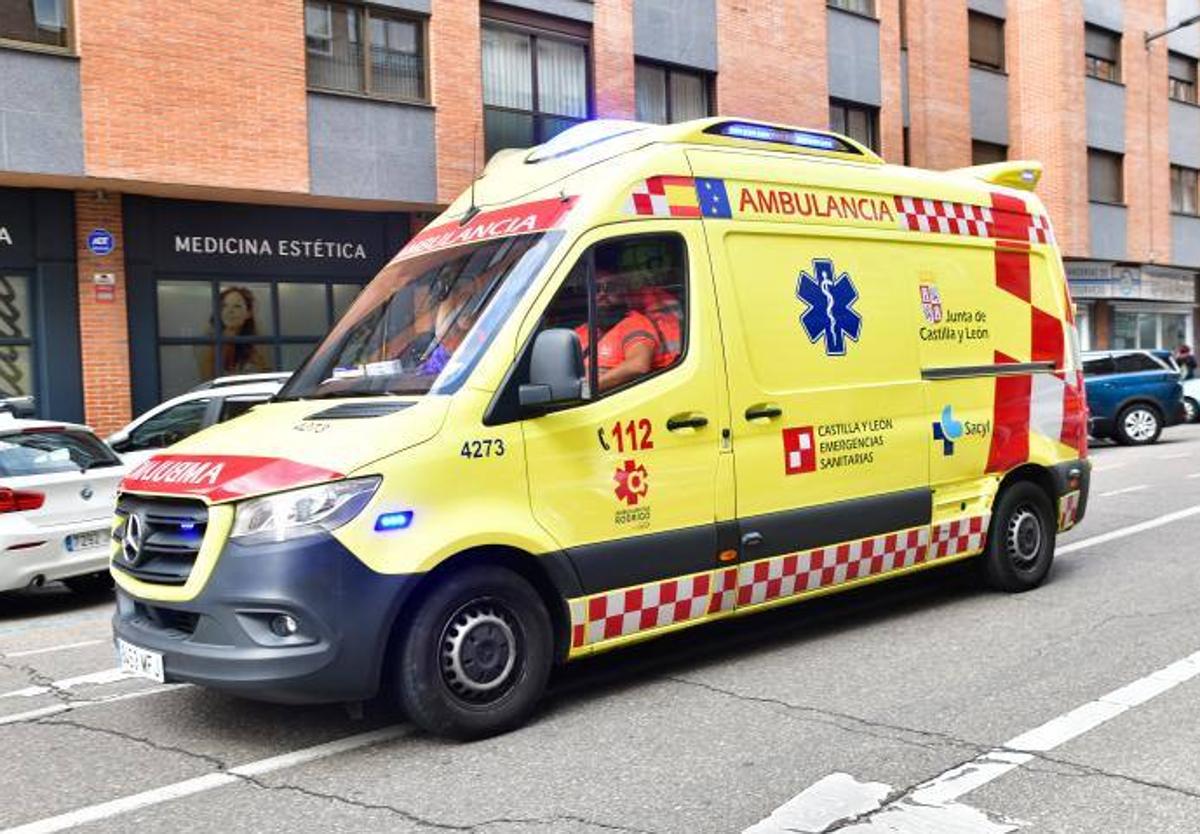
x=101, y=242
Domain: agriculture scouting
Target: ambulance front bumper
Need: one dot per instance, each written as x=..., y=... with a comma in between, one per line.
x=223, y=639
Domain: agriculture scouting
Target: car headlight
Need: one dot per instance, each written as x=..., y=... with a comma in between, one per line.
x=302, y=512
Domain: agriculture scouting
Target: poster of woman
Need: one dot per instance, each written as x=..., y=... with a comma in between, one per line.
x=237, y=309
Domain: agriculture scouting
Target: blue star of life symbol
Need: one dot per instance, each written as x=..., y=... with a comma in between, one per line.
x=830, y=314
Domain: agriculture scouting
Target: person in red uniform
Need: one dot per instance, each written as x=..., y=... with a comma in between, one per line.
x=629, y=340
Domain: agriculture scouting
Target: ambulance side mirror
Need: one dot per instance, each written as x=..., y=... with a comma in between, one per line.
x=555, y=371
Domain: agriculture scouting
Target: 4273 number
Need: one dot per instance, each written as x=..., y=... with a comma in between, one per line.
x=490, y=448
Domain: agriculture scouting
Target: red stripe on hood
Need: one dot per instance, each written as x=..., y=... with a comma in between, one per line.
x=222, y=477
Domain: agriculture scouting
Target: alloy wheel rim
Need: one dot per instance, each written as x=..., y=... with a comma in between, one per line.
x=1024, y=536
x=1140, y=424
x=478, y=652
x=1189, y=408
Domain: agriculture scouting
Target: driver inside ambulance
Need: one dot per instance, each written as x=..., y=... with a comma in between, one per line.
x=629, y=340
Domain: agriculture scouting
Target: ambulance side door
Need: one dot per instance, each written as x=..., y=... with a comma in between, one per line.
x=626, y=481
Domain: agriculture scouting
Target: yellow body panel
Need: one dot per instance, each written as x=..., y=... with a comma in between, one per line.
x=921, y=252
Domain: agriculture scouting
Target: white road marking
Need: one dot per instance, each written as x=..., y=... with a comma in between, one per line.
x=1175, y=456
x=1123, y=490
x=60, y=621
x=102, y=677
x=71, y=706
x=49, y=649
x=208, y=782
x=1108, y=467
x=933, y=805
x=1194, y=475
x=1131, y=530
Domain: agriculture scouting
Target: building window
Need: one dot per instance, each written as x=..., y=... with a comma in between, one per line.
x=1185, y=190
x=858, y=121
x=535, y=85
x=864, y=7
x=210, y=328
x=985, y=153
x=42, y=22
x=1106, y=181
x=365, y=50
x=986, y=42
x=666, y=95
x=1181, y=77
x=1102, y=53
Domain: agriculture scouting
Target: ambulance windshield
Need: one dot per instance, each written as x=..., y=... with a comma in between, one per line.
x=423, y=323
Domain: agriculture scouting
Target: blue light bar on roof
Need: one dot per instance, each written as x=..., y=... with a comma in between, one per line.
x=782, y=136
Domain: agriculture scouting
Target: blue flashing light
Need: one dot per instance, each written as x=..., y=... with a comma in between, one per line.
x=394, y=521
x=187, y=526
x=781, y=136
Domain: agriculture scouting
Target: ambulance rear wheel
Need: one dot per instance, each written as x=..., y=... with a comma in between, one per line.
x=475, y=656
x=1020, y=546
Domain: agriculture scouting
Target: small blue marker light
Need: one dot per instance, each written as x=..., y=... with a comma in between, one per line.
x=187, y=526
x=393, y=521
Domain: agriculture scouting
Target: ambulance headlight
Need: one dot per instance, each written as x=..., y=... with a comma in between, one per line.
x=301, y=512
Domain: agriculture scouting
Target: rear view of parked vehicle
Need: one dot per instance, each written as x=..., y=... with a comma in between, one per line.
x=58, y=482
x=1132, y=395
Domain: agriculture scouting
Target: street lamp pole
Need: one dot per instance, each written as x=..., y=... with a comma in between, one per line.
x=1153, y=36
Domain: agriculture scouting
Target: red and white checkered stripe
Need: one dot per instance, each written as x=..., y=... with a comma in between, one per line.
x=1068, y=510
x=628, y=611
x=917, y=214
x=795, y=573
x=963, y=535
x=1039, y=230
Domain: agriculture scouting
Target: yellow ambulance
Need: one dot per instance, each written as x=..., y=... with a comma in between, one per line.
x=634, y=379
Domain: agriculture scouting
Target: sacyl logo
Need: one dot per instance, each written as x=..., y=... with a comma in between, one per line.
x=947, y=430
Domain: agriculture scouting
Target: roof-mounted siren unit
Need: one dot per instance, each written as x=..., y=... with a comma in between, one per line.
x=1017, y=173
x=802, y=140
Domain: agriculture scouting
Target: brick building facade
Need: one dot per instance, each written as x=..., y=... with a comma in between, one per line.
x=195, y=188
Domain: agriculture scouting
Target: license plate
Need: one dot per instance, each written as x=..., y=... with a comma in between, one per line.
x=90, y=540
x=140, y=662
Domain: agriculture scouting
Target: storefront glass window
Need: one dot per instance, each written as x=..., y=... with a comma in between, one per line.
x=302, y=310
x=1175, y=330
x=16, y=337
x=343, y=297
x=208, y=329
x=1147, y=330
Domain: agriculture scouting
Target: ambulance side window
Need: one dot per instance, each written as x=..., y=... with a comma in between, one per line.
x=636, y=289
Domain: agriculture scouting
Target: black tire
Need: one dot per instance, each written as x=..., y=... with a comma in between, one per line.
x=452, y=685
x=90, y=584
x=1138, y=425
x=1020, y=547
x=1192, y=410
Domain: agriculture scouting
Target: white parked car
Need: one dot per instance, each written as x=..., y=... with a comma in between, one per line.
x=58, y=486
x=1191, y=399
x=182, y=416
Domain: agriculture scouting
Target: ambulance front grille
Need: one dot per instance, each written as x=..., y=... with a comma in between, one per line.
x=158, y=539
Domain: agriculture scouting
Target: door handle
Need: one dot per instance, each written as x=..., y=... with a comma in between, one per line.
x=763, y=411
x=752, y=539
x=686, y=421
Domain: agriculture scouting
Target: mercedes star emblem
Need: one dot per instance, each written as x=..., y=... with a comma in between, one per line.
x=131, y=542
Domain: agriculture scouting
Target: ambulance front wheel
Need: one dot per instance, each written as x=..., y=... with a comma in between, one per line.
x=475, y=656
x=1020, y=547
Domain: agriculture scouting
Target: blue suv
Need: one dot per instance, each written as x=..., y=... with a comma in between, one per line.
x=1132, y=395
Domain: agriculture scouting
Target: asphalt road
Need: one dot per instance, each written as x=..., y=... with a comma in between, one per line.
x=708, y=731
